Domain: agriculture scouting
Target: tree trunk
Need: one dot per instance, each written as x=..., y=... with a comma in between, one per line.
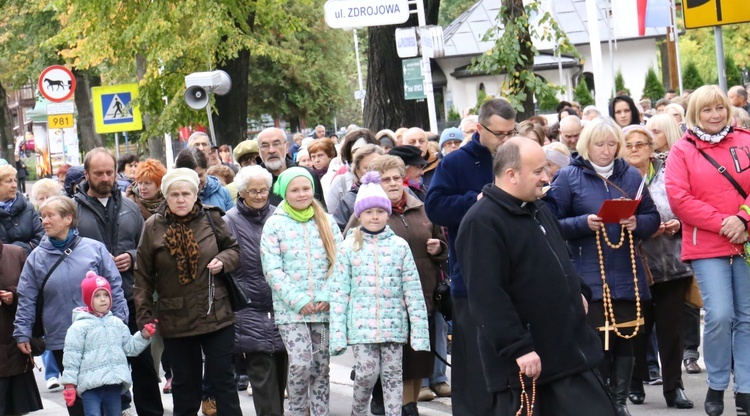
x=6, y=130
x=155, y=144
x=514, y=9
x=87, y=135
x=385, y=106
x=230, y=116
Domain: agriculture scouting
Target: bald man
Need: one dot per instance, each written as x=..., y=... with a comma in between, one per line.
x=570, y=131
x=738, y=97
x=526, y=297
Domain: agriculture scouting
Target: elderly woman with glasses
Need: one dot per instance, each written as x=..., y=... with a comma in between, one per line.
x=605, y=252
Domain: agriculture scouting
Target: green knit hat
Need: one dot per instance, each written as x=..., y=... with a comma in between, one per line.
x=279, y=188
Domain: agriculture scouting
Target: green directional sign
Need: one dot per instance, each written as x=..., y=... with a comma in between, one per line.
x=413, y=79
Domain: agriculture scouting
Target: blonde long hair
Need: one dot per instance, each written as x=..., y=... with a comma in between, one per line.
x=359, y=240
x=324, y=229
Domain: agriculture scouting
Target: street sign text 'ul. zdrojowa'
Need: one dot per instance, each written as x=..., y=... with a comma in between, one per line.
x=343, y=14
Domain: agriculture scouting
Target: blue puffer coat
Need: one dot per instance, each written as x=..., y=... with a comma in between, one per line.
x=21, y=226
x=215, y=194
x=255, y=327
x=579, y=191
x=96, y=351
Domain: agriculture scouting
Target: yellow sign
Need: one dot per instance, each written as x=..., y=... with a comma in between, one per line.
x=60, y=121
x=703, y=13
x=114, y=111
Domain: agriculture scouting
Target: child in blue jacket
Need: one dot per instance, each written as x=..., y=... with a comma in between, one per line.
x=96, y=349
x=377, y=304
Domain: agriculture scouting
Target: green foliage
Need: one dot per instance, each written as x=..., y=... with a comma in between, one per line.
x=691, y=78
x=620, y=83
x=699, y=46
x=653, y=87
x=734, y=75
x=453, y=114
x=513, y=52
x=481, y=98
x=451, y=9
x=547, y=100
x=582, y=94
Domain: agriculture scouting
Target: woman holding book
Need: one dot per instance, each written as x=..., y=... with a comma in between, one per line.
x=605, y=254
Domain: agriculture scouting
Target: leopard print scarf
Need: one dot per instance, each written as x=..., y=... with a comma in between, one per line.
x=180, y=241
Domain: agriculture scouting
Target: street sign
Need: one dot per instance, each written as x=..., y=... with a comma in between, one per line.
x=406, y=42
x=340, y=14
x=60, y=108
x=57, y=83
x=114, y=110
x=702, y=13
x=413, y=79
x=60, y=121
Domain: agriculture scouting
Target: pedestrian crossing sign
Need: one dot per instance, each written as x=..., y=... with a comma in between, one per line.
x=114, y=110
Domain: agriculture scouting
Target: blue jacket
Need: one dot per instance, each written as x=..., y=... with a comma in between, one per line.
x=21, y=226
x=96, y=351
x=458, y=181
x=376, y=295
x=577, y=192
x=215, y=194
x=62, y=293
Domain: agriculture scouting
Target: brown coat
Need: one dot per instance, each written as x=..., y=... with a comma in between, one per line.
x=13, y=362
x=181, y=309
x=414, y=227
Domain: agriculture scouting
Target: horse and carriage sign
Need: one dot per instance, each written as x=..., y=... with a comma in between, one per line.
x=57, y=83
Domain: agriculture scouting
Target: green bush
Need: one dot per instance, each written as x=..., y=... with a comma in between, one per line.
x=653, y=89
x=582, y=94
x=691, y=78
x=620, y=83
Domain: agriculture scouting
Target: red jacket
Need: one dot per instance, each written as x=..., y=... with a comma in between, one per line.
x=701, y=197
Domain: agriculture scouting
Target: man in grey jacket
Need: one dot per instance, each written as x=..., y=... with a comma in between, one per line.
x=105, y=215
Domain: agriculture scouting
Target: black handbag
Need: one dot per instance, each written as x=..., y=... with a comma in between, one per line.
x=237, y=297
x=442, y=298
x=37, y=331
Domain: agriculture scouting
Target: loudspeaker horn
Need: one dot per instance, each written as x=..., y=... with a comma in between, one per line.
x=196, y=97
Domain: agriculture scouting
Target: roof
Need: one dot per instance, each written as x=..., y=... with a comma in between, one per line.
x=464, y=35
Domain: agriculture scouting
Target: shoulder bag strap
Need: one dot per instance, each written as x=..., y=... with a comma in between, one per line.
x=612, y=184
x=721, y=169
x=66, y=253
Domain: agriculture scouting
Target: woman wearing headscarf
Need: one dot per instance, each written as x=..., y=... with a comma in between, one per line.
x=712, y=204
x=298, y=252
x=671, y=277
x=184, y=249
x=257, y=339
x=18, y=391
x=605, y=253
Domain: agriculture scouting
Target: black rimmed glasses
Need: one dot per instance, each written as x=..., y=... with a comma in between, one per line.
x=500, y=134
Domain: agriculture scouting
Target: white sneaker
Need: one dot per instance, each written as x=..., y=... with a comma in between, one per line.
x=130, y=411
x=250, y=391
x=53, y=383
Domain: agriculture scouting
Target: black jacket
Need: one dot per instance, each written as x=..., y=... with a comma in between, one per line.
x=255, y=327
x=118, y=225
x=21, y=226
x=524, y=293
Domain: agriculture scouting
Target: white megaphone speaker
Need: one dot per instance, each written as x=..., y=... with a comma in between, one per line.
x=196, y=97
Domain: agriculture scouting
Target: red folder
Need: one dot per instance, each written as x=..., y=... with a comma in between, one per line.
x=614, y=210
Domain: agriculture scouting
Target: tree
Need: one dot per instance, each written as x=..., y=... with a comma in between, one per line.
x=691, y=78
x=513, y=52
x=451, y=9
x=582, y=94
x=385, y=106
x=6, y=130
x=653, y=88
x=620, y=83
x=734, y=75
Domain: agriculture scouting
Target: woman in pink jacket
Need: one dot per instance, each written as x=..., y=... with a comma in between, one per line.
x=708, y=182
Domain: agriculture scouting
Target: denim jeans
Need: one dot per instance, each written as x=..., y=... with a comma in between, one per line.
x=50, y=365
x=104, y=400
x=441, y=347
x=725, y=286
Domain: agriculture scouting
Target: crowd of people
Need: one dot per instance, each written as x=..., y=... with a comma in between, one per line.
x=343, y=244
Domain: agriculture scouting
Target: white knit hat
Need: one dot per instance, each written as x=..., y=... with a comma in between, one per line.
x=371, y=195
x=179, y=174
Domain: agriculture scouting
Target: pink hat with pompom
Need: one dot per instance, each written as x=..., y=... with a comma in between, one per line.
x=90, y=285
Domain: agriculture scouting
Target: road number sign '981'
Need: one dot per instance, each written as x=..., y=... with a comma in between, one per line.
x=343, y=14
x=60, y=121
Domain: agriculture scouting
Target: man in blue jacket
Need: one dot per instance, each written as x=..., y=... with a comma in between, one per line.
x=456, y=186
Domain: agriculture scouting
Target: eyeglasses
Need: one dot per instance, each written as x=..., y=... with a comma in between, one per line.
x=253, y=193
x=500, y=134
x=387, y=180
x=276, y=145
x=635, y=146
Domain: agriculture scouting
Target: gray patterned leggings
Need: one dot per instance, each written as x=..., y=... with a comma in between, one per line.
x=307, y=384
x=371, y=361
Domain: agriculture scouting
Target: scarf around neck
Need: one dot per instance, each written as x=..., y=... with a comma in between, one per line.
x=605, y=171
x=711, y=138
x=297, y=215
x=61, y=244
x=400, y=206
x=180, y=241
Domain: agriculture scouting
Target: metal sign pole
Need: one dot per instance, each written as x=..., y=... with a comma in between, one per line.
x=720, y=67
x=426, y=71
x=117, y=144
x=359, y=67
